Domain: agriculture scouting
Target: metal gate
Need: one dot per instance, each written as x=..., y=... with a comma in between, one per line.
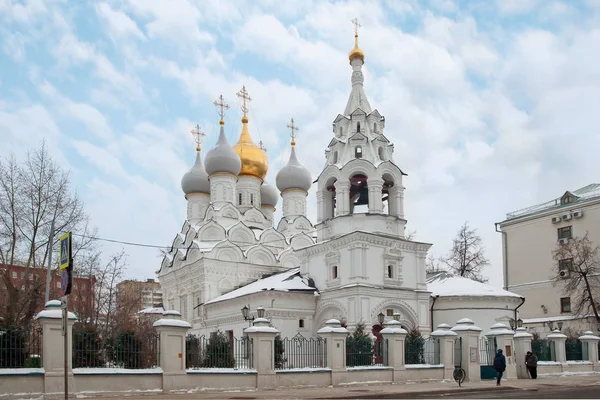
x=458, y=353
x=487, y=352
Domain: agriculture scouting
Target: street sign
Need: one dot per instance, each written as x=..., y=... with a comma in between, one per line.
x=66, y=281
x=65, y=251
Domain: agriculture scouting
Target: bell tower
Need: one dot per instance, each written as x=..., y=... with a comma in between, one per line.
x=360, y=187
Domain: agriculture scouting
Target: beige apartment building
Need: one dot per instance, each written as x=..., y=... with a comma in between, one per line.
x=139, y=295
x=528, y=238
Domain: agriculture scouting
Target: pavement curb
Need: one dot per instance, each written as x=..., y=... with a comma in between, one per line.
x=439, y=392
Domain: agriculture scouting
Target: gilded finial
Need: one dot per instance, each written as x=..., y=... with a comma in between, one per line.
x=356, y=51
x=243, y=94
x=222, y=107
x=262, y=146
x=198, y=136
x=356, y=26
x=294, y=128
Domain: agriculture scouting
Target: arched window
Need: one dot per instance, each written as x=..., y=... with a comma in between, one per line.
x=300, y=323
x=358, y=152
x=374, y=127
x=251, y=198
x=381, y=153
x=334, y=272
x=358, y=127
x=390, y=271
x=239, y=199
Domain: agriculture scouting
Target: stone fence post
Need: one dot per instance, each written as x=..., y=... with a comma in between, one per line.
x=395, y=336
x=171, y=335
x=468, y=333
x=447, y=340
x=262, y=336
x=504, y=342
x=522, y=341
x=590, y=341
x=560, y=350
x=50, y=318
x=335, y=335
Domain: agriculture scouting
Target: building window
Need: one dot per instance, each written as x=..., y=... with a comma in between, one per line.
x=389, y=312
x=565, y=232
x=22, y=275
x=76, y=287
x=84, y=298
x=390, y=271
x=565, y=265
x=334, y=272
x=239, y=199
x=565, y=304
x=358, y=127
x=14, y=275
x=374, y=127
x=83, y=287
x=300, y=323
x=251, y=198
x=58, y=285
x=358, y=152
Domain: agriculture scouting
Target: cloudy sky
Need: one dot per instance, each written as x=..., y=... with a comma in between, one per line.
x=492, y=106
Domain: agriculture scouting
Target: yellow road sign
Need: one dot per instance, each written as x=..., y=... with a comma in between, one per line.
x=65, y=251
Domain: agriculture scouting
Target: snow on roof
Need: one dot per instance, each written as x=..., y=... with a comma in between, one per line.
x=554, y=319
x=445, y=284
x=288, y=281
x=152, y=310
x=206, y=245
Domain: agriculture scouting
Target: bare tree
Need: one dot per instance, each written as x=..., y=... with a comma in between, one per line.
x=433, y=265
x=467, y=256
x=410, y=235
x=34, y=194
x=578, y=268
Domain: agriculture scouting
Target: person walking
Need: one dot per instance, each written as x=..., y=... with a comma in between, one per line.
x=531, y=364
x=499, y=365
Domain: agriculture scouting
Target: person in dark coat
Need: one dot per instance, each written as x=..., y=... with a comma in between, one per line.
x=531, y=363
x=499, y=365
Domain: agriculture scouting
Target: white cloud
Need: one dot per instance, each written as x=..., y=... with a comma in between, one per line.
x=120, y=23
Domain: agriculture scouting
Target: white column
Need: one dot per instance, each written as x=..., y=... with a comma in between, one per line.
x=504, y=341
x=263, y=352
x=321, y=204
x=342, y=197
x=560, y=350
x=522, y=342
x=50, y=318
x=469, y=336
x=375, y=187
x=395, y=336
x=222, y=189
x=447, y=339
x=590, y=341
x=335, y=336
x=172, y=332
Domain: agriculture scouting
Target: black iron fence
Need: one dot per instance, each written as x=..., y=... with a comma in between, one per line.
x=543, y=349
x=574, y=350
x=487, y=350
x=21, y=347
x=419, y=350
x=364, y=352
x=218, y=351
x=300, y=352
x=125, y=349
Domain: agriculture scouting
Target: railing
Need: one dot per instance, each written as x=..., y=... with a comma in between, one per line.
x=300, y=352
x=363, y=352
x=218, y=351
x=125, y=349
x=21, y=347
x=543, y=349
x=574, y=350
x=422, y=351
x=487, y=350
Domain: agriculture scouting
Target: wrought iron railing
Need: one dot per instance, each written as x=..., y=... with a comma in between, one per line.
x=543, y=349
x=21, y=347
x=364, y=352
x=487, y=350
x=300, y=352
x=419, y=350
x=125, y=349
x=218, y=351
x=574, y=350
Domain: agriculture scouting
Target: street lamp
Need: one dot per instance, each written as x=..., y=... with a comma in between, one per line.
x=260, y=311
x=396, y=316
x=519, y=323
x=380, y=318
x=246, y=313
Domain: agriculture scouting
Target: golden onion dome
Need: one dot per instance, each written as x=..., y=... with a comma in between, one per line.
x=356, y=51
x=254, y=160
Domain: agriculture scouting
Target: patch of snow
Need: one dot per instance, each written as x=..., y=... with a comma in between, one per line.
x=305, y=369
x=173, y=323
x=447, y=285
x=54, y=314
x=290, y=280
x=394, y=331
x=362, y=383
x=267, y=329
x=152, y=310
x=553, y=319
x=424, y=366
x=549, y=363
x=221, y=371
x=556, y=335
x=22, y=371
x=205, y=246
x=369, y=368
x=578, y=362
x=116, y=371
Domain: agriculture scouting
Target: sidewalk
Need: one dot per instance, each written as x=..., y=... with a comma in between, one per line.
x=376, y=390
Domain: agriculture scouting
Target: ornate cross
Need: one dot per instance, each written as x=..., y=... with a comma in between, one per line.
x=293, y=129
x=356, y=25
x=221, y=106
x=262, y=147
x=198, y=136
x=243, y=94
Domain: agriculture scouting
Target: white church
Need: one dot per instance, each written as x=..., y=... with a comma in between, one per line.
x=232, y=261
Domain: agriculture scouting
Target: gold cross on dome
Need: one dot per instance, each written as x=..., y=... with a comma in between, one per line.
x=221, y=106
x=356, y=25
x=198, y=136
x=243, y=94
x=293, y=129
x=262, y=146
